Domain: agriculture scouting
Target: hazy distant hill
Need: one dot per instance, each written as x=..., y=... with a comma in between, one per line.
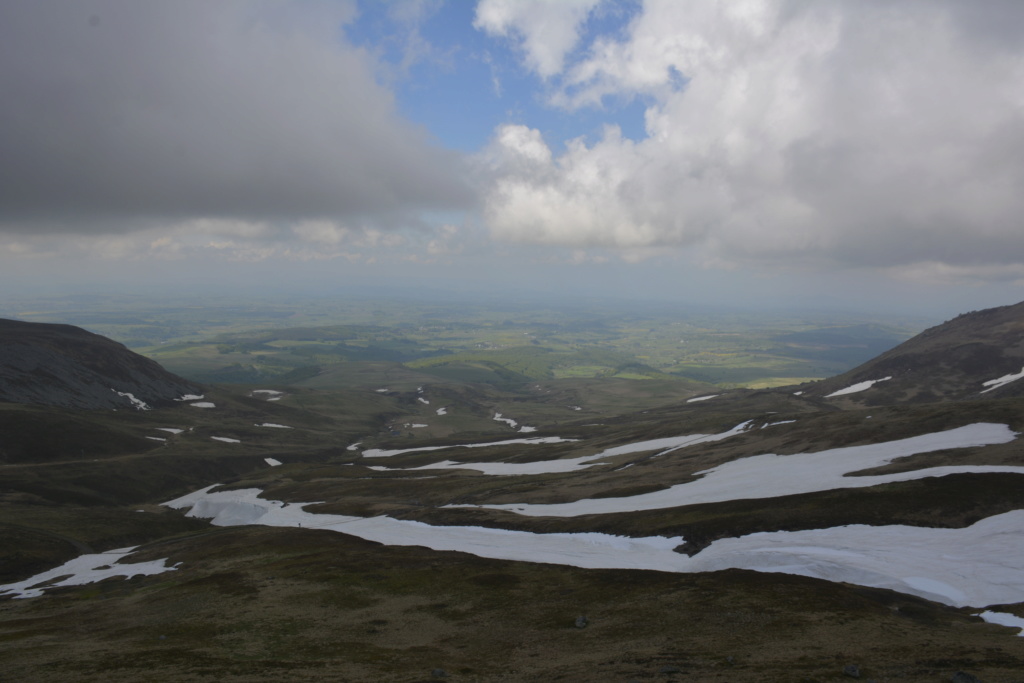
x=63, y=365
x=975, y=355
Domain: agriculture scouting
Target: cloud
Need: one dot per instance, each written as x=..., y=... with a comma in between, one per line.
x=545, y=30
x=119, y=115
x=860, y=134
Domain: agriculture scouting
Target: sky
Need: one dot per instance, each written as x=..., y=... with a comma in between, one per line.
x=861, y=155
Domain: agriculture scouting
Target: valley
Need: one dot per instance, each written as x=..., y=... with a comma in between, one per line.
x=472, y=516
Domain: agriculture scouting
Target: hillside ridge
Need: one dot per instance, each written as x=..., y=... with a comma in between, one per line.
x=960, y=359
x=69, y=367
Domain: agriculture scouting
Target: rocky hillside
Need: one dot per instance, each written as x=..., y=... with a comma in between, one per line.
x=66, y=366
x=975, y=355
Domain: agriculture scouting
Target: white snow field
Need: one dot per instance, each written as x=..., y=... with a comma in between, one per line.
x=666, y=445
x=1004, y=619
x=82, y=570
x=379, y=453
x=771, y=476
x=1000, y=381
x=857, y=388
x=978, y=566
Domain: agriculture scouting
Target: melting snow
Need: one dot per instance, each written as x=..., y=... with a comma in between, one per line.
x=1004, y=619
x=139, y=404
x=972, y=566
x=511, y=423
x=860, y=386
x=570, y=464
x=770, y=476
x=1000, y=381
x=82, y=570
x=378, y=453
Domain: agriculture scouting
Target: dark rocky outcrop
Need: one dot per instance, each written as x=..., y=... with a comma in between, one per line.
x=66, y=366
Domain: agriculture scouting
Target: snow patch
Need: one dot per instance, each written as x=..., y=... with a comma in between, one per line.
x=971, y=566
x=273, y=462
x=856, y=388
x=191, y=397
x=203, y=404
x=771, y=476
x=702, y=398
x=442, y=411
x=271, y=424
x=1004, y=619
x=85, y=569
x=423, y=400
x=225, y=439
x=510, y=422
x=379, y=453
x=172, y=430
x=1001, y=381
x=571, y=464
x=138, y=403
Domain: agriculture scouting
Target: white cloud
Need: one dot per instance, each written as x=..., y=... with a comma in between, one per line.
x=850, y=133
x=546, y=30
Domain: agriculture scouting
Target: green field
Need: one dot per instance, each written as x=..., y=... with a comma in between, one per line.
x=309, y=341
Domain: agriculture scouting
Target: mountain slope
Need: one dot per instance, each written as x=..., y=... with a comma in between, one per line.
x=975, y=355
x=66, y=366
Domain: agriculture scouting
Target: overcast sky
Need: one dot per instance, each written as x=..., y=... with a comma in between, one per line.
x=859, y=154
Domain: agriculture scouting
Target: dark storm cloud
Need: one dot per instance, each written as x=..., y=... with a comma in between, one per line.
x=118, y=113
